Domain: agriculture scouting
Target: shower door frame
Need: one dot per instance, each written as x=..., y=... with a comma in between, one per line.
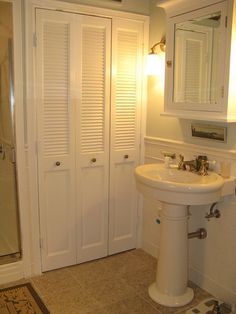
x=19, y=269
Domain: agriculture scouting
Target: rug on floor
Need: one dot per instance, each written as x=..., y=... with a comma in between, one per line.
x=21, y=299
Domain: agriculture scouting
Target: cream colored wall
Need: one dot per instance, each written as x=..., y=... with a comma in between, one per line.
x=166, y=127
x=135, y=6
x=158, y=126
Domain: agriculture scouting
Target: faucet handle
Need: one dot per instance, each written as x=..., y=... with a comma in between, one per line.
x=169, y=154
x=203, y=167
x=181, y=164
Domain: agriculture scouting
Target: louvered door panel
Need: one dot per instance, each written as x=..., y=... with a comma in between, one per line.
x=125, y=133
x=93, y=137
x=192, y=80
x=193, y=77
x=56, y=133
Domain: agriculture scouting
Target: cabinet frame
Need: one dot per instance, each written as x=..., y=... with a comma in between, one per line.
x=183, y=11
x=170, y=104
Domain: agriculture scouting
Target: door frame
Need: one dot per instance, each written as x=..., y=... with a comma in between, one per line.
x=31, y=118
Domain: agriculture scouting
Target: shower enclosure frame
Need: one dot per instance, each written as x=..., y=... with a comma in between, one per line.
x=16, y=270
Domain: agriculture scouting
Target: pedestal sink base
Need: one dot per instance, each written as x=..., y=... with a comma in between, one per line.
x=167, y=300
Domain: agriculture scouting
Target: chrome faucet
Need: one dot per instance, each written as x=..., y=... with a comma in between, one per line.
x=199, y=165
x=187, y=164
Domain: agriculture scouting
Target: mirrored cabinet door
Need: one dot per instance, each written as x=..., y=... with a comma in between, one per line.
x=195, y=60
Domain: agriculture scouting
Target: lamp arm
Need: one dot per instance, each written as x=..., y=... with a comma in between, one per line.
x=162, y=46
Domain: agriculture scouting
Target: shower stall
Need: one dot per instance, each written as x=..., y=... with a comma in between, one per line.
x=10, y=248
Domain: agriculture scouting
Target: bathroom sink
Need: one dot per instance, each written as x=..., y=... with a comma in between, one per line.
x=176, y=190
x=178, y=186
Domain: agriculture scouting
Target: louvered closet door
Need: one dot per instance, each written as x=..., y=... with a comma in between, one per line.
x=56, y=134
x=127, y=41
x=93, y=138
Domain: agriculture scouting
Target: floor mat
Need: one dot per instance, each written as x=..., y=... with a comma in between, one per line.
x=21, y=299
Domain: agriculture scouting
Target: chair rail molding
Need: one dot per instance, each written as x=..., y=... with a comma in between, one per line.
x=154, y=148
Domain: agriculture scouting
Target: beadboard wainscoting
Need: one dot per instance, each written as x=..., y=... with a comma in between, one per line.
x=212, y=260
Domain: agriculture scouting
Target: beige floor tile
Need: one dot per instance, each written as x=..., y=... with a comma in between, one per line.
x=134, y=305
x=107, y=292
x=90, y=273
x=51, y=283
x=72, y=299
x=131, y=261
x=117, y=284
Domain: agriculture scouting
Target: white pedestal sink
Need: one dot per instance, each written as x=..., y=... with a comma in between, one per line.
x=176, y=189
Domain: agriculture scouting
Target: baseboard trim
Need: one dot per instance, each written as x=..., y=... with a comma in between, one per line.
x=211, y=286
x=11, y=272
x=150, y=248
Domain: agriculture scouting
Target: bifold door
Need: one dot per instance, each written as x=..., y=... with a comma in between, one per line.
x=127, y=57
x=88, y=135
x=73, y=80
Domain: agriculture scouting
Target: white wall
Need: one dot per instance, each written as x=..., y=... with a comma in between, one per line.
x=135, y=6
x=212, y=261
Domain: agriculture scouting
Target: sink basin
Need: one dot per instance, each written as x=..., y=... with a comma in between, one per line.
x=178, y=186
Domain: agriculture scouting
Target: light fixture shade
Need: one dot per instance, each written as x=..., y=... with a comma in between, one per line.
x=155, y=64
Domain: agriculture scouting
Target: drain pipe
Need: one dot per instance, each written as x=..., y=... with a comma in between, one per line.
x=200, y=234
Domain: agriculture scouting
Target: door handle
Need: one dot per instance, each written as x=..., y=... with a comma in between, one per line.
x=57, y=163
x=126, y=156
x=93, y=160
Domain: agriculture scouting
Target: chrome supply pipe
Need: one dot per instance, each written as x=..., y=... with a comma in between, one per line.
x=200, y=234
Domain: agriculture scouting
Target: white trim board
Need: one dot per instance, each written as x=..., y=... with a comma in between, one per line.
x=155, y=147
x=11, y=272
x=208, y=284
x=83, y=9
x=191, y=147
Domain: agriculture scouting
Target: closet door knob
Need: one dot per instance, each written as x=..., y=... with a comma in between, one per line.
x=126, y=156
x=93, y=160
x=57, y=163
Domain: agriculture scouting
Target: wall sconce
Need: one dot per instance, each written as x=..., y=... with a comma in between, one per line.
x=155, y=62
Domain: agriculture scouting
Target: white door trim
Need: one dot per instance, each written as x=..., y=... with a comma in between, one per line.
x=30, y=6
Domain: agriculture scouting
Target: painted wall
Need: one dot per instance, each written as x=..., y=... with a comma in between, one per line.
x=212, y=261
x=135, y=6
x=166, y=127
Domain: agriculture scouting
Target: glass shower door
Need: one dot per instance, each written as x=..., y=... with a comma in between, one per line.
x=9, y=220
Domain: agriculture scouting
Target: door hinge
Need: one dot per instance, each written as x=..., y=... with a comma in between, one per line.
x=226, y=21
x=222, y=91
x=169, y=63
x=41, y=243
x=36, y=148
x=13, y=155
x=34, y=40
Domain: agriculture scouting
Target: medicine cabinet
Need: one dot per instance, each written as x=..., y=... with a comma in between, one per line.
x=200, y=44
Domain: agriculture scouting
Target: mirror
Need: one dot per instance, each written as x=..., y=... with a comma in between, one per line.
x=196, y=52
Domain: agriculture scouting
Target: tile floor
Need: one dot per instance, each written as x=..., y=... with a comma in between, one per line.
x=113, y=285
